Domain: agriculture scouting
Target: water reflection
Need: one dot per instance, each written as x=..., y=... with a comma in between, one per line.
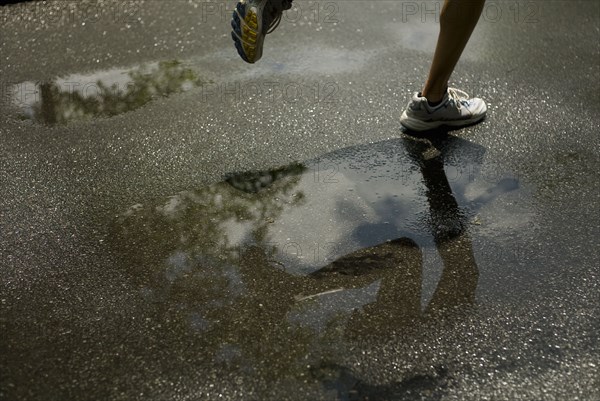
x=448, y=226
x=103, y=93
x=282, y=268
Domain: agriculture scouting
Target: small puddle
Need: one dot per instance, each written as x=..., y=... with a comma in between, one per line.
x=103, y=93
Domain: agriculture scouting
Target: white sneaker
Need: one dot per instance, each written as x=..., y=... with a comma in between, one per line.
x=456, y=109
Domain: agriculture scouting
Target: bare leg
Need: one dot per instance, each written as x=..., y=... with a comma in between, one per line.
x=457, y=21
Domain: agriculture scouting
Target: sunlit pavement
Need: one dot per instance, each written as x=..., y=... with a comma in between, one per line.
x=176, y=224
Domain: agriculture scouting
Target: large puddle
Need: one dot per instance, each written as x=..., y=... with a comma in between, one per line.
x=315, y=253
x=103, y=93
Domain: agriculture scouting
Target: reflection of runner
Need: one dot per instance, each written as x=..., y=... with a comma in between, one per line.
x=397, y=263
x=435, y=105
x=448, y=227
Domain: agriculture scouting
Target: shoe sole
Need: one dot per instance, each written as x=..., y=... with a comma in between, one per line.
x=247, y=30
x=417, y=125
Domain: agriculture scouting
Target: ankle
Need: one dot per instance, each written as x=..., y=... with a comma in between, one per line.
x=434, y=96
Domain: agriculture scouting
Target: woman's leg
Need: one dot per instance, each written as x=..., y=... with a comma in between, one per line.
x=457, y=21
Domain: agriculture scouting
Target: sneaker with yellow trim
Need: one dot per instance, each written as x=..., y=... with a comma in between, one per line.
x=251, y=21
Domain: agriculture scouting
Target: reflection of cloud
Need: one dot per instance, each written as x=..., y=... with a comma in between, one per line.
x=102, y=94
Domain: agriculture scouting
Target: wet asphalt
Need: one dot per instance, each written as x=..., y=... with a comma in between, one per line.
x=216, y=230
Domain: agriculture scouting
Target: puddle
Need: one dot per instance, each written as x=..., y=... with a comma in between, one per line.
x=317, y=252
x=305, y=216
x=101, y=94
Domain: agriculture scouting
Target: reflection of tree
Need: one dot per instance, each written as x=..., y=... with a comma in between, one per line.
x=182, y=255
x=199, y=223
x=60, y=106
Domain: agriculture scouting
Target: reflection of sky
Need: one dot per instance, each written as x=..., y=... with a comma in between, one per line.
x=352, y=199
x=26, y=94
x=325, y=227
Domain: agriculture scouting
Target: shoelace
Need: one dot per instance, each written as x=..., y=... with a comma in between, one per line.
x=459, y=97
